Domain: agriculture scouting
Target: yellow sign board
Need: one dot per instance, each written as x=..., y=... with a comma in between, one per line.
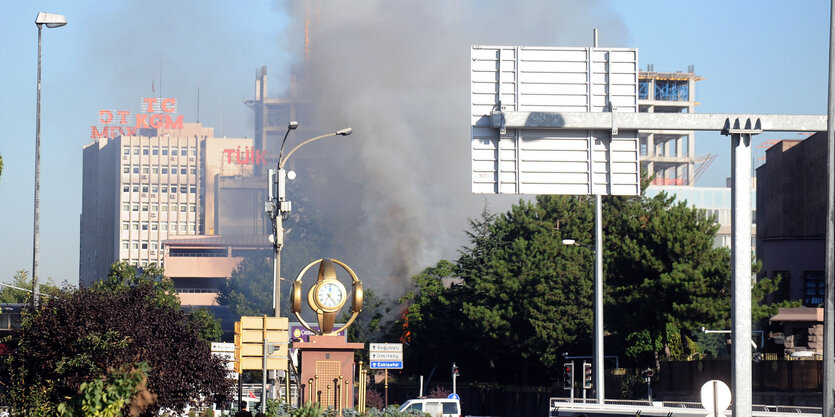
x=251, y=333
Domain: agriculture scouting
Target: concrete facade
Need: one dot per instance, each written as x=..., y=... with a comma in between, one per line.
x=138, y=191
x=200, y=265
x=668, y=155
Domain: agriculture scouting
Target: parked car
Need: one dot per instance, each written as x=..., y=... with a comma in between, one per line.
x=435, y=407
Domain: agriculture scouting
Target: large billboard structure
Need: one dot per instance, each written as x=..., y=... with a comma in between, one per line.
x=519, y=161
x=548, y=161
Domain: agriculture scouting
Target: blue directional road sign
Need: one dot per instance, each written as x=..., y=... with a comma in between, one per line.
x=454, y=396
x=386, y=364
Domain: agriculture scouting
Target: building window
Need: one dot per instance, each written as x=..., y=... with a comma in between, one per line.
x=183, y=152
x=164, y=151
x=153, y=226
x=155, y=151
x=154, y=188
x=144, y=245
x=163, y=227
x=136, y=207
x=183, y=171
x=126, y=150
x=182, y=208
x=192, y=208
x=813, y=288
x=144, y=188
x=125, y=188
x=125, y=244
x=125, y=207
x=136, y=150
x=191, y=227
x=182, y=227
x=173, y=188
x=125, y=169
x=135, y=170
x=145, y=170
x=154, y=207
x=144, y=207
x=192, y=151
x=136, y=188
x=144, y=151
x=192, y=189
x=125, y=225
x=155, y=170
x=134, y=226
x=134, y=244
x=154, y=245
x=165, y=170
x=144, y=225
x=164, y=188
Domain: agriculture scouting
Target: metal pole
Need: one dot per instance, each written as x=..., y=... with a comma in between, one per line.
x=278, y=232
x=741, y=273
x=598, y=300
x=264, y=377
x=829, y=301
x=36, y=239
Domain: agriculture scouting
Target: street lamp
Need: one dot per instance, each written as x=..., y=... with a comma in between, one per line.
x=51, y=21
x=279, y=206
x=597, y=361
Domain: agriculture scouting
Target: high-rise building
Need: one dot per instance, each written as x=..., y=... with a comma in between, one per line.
x=160, y=179
x=669, y=156
x=137, y=191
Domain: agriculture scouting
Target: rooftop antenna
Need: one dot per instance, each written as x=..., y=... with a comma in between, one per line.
x=198, y=104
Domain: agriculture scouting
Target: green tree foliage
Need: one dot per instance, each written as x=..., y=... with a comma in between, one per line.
x=249, y=291
x=24, y=295
x=108, y=395
x=78, y=335
x=661, y=271
x=519, y=298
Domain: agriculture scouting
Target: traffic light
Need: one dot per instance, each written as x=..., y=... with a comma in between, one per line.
x=647, y=374
x=586, y=375
x=455, y=372
x=568, y=375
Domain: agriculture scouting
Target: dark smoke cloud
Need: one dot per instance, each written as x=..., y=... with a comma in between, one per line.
x=398, y=73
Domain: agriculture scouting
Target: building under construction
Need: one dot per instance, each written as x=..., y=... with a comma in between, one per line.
x=669, y=156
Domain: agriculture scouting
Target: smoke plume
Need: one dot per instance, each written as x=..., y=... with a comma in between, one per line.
x=398, y=73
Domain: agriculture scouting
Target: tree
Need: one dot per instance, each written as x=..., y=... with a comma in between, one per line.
x=24, y=294
x=108, y=395
x=523, y=297
x=78, y=335
x=664, y=279
x=249, y=291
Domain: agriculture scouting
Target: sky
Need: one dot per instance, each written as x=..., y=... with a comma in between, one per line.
x=755, y=57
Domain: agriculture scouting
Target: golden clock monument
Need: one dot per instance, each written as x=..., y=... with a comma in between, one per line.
x=327, y=360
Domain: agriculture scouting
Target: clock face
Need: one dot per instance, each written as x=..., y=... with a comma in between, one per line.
x=330, y=295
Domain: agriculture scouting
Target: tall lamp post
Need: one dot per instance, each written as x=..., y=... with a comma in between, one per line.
x=51, y=21
x=597, y=360
x=278, y=206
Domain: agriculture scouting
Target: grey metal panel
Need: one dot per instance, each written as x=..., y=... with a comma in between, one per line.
x=534, y=80
x=656, y=121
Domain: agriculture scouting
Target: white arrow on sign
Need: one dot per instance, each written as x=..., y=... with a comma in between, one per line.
x=386, y=356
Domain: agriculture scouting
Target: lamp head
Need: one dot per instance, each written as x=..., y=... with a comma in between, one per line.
x=344, y=132
x=293, y=125
x=568, y=241
x=51, y=20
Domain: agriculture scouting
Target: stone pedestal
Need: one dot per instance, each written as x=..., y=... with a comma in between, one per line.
x=327, y=371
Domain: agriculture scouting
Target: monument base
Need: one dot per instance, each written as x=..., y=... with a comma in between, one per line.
x=327, y=371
